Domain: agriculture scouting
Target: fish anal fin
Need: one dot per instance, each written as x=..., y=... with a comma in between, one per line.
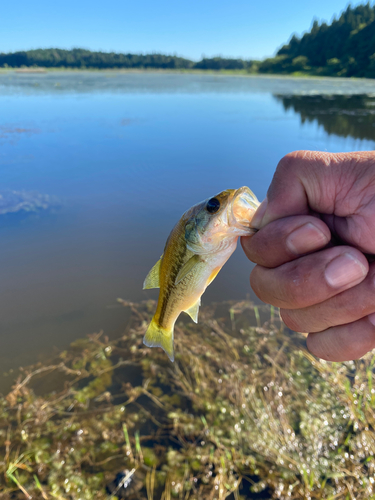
x=187, y=268
x=193, y=311
x=157, y=336
x=152, y=279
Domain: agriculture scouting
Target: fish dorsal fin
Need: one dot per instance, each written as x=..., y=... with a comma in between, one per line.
x=193, y=311
x=187, y=268
x=152, y=279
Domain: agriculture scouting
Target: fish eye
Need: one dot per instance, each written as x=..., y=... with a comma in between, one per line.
x=213, y=205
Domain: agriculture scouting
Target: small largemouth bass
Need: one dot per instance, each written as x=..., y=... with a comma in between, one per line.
x=197, y=248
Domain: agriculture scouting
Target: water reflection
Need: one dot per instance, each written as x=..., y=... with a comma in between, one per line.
x=342, y=115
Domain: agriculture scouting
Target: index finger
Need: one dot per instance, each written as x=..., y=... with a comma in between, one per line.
x=286, y=239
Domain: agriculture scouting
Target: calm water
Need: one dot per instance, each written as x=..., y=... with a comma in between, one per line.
x=127, y=153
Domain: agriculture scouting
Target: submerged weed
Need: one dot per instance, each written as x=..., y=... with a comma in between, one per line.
x=244, y=412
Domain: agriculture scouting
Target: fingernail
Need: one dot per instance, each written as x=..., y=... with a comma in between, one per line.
x=256, y=221
x=344, y=270
x=371, y=318
x=305, y=239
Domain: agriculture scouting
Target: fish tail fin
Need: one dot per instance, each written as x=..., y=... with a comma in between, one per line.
x=157, y=336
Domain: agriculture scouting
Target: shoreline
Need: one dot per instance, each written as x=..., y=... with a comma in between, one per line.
x=242, y=73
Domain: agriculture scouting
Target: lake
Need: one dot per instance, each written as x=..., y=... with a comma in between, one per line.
x=125, y=154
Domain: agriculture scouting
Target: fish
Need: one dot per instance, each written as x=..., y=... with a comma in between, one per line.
x=197, y=248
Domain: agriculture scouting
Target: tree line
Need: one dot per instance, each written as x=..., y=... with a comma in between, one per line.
x=81, y=58
x=346, y=47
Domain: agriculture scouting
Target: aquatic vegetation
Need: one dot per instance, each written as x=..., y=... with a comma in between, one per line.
x=24, y=201
x=244, y=412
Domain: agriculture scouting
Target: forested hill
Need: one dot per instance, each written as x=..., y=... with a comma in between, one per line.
x=81, y=58
x=346, y=47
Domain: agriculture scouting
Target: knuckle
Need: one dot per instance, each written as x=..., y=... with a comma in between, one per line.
x=257, y=284
x=257, y=247
x=326, y=159
x=248, y=247
x=265, y=287
x=309, y=320
x=295, y=158
x=290, y=320
x=270, y=287
x=261, y=252
x=288, y=161
x=370, y=341
x=303, y=158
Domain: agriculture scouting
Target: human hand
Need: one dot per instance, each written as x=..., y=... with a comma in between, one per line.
x=322, y=287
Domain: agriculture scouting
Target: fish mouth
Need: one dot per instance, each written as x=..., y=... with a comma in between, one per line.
x=244, y=205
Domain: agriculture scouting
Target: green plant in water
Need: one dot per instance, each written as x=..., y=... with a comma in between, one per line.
x=244, y=409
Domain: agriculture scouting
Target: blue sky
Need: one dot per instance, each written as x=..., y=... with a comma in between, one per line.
x=190, y=28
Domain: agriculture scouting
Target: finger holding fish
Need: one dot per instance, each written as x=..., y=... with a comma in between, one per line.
x=286, y=239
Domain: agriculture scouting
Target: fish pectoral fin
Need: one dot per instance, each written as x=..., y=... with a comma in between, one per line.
x=187, y=268
x=152, y=279
x=193, y=311
x=213, y=275
x=157, y=336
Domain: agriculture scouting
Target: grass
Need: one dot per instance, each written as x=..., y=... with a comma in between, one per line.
x=244, y=412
